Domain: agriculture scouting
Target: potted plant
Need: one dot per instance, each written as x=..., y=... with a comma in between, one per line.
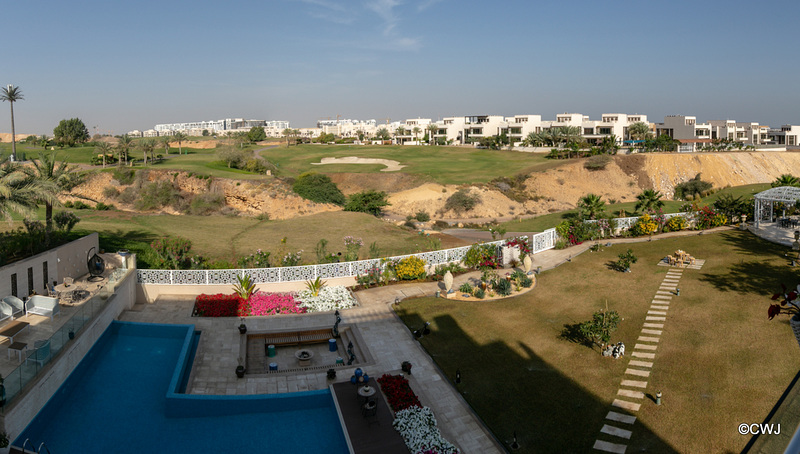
x=790, y=305
x=240, y=368
x=406, y=367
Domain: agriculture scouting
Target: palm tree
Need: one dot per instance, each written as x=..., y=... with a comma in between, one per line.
x=123, y=147
x=165, y=141
x=416, y=131
x=786, y=179
x=44, y=141
x=639, y=130
x=401, y=131
x=180, y=138
x=12, y=94
x=55, y=177
x=591, y=206
x=20, y=190
x=648, y=200
x=147, y=146
x=104, y=148
x=432, y=130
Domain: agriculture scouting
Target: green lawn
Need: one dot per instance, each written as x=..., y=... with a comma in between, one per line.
x=445, y=165
x=719, y=362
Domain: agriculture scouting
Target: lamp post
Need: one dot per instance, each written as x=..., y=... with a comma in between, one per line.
x=658, y=398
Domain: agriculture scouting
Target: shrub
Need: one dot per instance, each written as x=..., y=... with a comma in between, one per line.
x=128, y=195
x=262, y=303
x=100, y=206
x=233, y=157
x=410, y=268
x=172, y=252
x=694, y=188
x=502, y=287
x=219, y=305
x=258, y=259
x=525, y=282
x=422, y=216
x=675, y=223
x=367, y=202
x=482, y=256
x=479, y=293
x=206, y=203
x=598, y=330
x=255, y=166
x=78, y=205
x=645, y=225
x=410, y=224
x=462, y=201
x=156, y=195
x=124, y=176
x=441, y=225
x=626, y=259
x=65, y=220
x=318, y=188
x=68, y=204
x=111, y=192
x=465, y=288
x=598, y=162
x=708, y=218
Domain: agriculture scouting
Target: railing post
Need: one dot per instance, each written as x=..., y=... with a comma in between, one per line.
x=350, y=269
x=280, y=279
x=171, y=281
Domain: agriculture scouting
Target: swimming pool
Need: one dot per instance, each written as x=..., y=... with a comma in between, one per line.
x=124, y=398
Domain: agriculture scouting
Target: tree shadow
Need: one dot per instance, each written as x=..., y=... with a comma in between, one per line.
x=753, y=276
x=572, y=333
x=523, y=394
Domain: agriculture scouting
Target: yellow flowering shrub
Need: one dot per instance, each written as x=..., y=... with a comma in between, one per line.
x=410, y=268
x=645, y=226
x=676, y=223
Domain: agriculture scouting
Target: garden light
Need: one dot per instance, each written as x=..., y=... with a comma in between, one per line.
x=658, y=398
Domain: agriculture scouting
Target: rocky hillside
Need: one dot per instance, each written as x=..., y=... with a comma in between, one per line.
x=543, y=192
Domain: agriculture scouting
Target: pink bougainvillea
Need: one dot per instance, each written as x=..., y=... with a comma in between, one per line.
x=262, y=303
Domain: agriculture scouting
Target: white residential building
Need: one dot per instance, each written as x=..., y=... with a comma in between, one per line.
x=788, y=135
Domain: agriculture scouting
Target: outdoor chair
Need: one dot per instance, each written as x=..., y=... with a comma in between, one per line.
x=6, y=311
x=370, y=408
x=51, y=291
x=42, y=305
x=17, y=306
x=40, y=353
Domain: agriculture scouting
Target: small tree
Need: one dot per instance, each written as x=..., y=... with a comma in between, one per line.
x=598, y=330
x=70, y=132
x=256, y=134
x=367, y=202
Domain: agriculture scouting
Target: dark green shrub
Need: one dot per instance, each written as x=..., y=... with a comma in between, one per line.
x=111, y=192
x=65, y=221
x=206, y=203
x=462, y=201
x=502, y=287
x=103, y=207
x=318, y=188
x=598, y=162
x=441, y=225
x=598, y=330
x=67, y=204
x=78, y=205
x=124, y=175
x=128, y=195
x=465, y=288
x=526, y=282
x=422, y=216
x=156, y=195
x=692, y=188
x=479, y=293
x=367, y=202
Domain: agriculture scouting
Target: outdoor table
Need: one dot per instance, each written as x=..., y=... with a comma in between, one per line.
x=18, y=347
x=12, y=329
x=366, y=392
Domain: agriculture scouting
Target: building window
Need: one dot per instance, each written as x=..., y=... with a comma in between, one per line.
x=14, y=285
x=45, y=276
x=30, y=280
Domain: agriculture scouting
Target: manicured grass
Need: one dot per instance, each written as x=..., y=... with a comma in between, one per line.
x=221, y=237
x=547, y=221
x=445, y=165
x=719, y=361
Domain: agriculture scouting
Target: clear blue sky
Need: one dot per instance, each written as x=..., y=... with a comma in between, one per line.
x=131, y=64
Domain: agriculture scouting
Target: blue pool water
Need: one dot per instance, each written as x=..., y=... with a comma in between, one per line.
x=125, y=397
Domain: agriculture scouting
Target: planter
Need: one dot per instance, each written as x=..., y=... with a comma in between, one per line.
x=240, y=371
x=71, y=335
x=795, y=324
x=242, y=328
x=303, y=357
x=510, y=254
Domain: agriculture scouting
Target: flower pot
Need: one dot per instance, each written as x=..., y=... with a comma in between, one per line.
x=242, y=328
x=795, y=324
x=240, y=371
x=71, y=335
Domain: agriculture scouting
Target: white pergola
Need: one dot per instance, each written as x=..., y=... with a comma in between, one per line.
x=766, y=200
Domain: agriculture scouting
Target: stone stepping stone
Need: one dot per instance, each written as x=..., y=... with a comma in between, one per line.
x=658, y=306
x=619, y=417
x=640, y=363
x=655, y=319
x=668, y=286
x=653, y=325
x=632, y=406
x=663, y=297
x=634, y=383
x=656, y=312
x=647, y=339
x=651, y=331
x=606, y=446
x=670, y=281
x=616, y=431
x=663, y=292
x=629, y=393
x=640, y=373
x=643, y=355
x=644, y=347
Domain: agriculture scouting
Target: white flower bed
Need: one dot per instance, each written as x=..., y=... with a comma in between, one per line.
x=418, y=427
x=329, y=299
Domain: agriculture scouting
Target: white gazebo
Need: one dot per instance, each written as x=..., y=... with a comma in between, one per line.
x=765, y=201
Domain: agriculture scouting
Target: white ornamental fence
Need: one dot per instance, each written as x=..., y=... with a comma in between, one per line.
x=623, y=224
x=539, y=242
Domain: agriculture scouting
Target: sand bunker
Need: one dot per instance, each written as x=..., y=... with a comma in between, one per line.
x=391, y=166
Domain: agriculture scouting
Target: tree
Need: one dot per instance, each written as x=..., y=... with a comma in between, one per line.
x=165, y=142
x=257, y=134
x=318, y=188
x=639, y=131
x=12, y=94
x=147, y=146
x=591, y=206
x=609, y=144
x=416, y=131
x=123, y=147
x=367, y=202
x=44, y=141
x=401, y=131
x=104, y=148
x=70, y=132
x=598, y=330
x=180, y=138
x=648, y=200
x=57, y=178
x=383, y=134
x=432, y=129
x=20, y=190
x=206, y=133
x=730, y=206
x=786, y=179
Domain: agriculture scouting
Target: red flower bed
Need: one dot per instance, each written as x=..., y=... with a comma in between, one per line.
x=398, y=392
x=220, y=305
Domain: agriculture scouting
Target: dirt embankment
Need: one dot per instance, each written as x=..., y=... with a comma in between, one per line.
x=543, y=192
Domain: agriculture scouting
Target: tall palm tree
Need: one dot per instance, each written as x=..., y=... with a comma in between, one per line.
x=401, y=131
x=639, y=130
x=180, y=138
x=591, y=206
x=648, y=200
x=20, y=190
x=57, y=178
x=147, y=146
x=432, y=130
x=104, y=148
x=165, y=142
x=12, y=94
x=44, y=141
x=123, y=147
x=786, y=179
x=416, y=131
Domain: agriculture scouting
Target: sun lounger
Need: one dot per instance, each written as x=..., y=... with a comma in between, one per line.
x=17, y=306
x=43, y=305
x=12, y=329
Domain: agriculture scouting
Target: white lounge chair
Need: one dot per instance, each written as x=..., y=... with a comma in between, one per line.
x=17, y=306
x=43, y=305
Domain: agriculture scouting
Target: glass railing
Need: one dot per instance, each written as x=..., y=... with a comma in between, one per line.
x=43, y=351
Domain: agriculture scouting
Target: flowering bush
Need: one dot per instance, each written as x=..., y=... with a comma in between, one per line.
x=352, y=245
x=482, y=256
x=676, y=223
x=262, y=303
x=258, y=259
x=398, y=392
x=292, y=258
x=790, y=305
x=645, y=225
x=522, y=244
x=410, y=268
x=219, y=305
x=328, y=299
x=708, y=218
x=172, y=252
x=418, y=427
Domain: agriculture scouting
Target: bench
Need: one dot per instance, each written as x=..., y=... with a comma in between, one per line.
x=42, y=305
x=12, y=329
x=282, y=339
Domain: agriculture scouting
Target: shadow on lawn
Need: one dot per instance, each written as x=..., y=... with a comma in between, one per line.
x=523, y=394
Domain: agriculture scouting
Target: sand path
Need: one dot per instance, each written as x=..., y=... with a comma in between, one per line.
x=391, y=166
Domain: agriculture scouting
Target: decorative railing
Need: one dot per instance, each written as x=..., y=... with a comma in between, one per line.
x=539, y=242
x=626, y=223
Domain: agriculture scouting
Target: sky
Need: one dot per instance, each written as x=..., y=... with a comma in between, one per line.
x=132, y=64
